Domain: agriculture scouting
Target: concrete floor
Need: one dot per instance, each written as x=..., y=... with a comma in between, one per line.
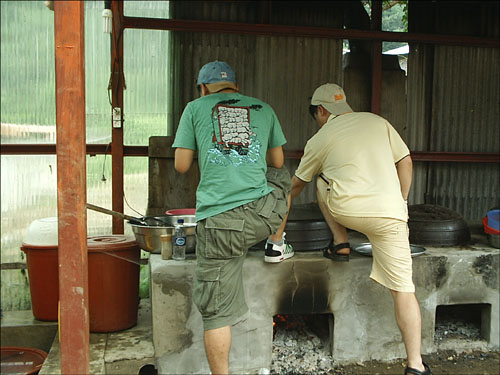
x=20, y=328
x=123, y=352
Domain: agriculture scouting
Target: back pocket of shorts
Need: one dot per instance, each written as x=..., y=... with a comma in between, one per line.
x=206, y=293
x=225, y=238
x=273, y=208
x=266, y=205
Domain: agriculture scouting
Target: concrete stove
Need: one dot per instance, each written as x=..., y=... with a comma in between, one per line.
x=362, y=325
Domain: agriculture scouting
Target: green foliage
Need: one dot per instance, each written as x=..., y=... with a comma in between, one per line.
x=404, y=5
x=394, y=18
x=394, y=14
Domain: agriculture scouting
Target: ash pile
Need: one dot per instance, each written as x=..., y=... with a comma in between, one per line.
x=301, y=345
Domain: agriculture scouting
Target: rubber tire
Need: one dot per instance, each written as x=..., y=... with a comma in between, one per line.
x=435, y=225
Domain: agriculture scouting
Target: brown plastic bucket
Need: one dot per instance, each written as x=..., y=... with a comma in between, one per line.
x=113, y=282
x=43, y=272
x=113, y=274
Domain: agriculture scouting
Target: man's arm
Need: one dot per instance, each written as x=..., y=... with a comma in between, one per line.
x=275, y=157
x=297, y=186
x=183, y=159
x=405, y=169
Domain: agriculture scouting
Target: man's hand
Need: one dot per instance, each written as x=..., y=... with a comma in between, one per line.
x=183, y=159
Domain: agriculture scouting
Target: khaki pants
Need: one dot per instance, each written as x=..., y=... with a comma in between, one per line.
x=392, y=263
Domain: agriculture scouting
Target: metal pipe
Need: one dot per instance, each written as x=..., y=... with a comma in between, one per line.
x=117, y=86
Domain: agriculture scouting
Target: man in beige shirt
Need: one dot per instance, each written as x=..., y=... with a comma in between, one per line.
x=364, y=174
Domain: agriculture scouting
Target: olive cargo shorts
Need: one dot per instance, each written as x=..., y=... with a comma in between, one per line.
x=222, y=242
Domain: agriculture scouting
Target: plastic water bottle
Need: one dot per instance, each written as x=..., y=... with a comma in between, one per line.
x=179, y=246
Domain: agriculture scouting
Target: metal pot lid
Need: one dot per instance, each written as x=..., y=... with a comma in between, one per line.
x=305, y=212
x=111, y=242
x=366, y=249
x=431, y=212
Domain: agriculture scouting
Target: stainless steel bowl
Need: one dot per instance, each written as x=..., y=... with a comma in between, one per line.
x=157, y=238
x=494, y=240
x=154, y=239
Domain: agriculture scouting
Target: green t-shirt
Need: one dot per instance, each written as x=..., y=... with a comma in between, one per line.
x=231, y=133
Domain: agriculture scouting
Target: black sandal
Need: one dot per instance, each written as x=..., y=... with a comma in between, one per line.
x=410, y=370
x=332, y=252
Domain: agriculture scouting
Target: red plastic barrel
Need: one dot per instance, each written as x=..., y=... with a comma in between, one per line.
x=113, y=274
x=40, y=246
x=43, y=272
x=113, y=282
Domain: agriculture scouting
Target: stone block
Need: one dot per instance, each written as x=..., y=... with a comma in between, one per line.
x=362, y=324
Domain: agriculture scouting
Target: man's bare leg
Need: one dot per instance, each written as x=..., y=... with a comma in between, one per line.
x=276, y=237
x=339, y=232
x=217, y=346
x=410, y=324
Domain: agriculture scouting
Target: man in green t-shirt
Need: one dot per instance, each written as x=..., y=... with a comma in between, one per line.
x=242, y=197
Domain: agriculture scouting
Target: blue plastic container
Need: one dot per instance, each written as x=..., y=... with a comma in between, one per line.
x=494, y=219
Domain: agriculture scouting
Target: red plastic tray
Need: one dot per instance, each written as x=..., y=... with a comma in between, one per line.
x=182, y=211
x=20, y=360
x=487, y=228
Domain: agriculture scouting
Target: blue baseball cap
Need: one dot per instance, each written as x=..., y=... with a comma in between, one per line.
x=217, y=75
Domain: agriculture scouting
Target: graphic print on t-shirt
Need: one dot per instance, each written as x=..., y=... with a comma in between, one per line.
x=234, y=141
x=234, y=128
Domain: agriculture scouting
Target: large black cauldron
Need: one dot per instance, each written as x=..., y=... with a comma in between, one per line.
x=306, y=229
x=434, y=225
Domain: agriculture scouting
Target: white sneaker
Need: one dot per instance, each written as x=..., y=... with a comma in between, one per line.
x=278, y=253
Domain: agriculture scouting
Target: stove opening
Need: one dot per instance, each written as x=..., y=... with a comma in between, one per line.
x=463, y=322
x=302, y=343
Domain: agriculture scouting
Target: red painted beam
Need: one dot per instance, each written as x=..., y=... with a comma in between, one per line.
x=117, y=86
x=432, y=156
x=71, y=186
x=376, y=93
x=462, y=157
x=305, y=31
x=50, y=149
x=100, y=149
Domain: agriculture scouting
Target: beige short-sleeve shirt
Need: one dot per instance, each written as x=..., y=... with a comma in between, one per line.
x=357, y=152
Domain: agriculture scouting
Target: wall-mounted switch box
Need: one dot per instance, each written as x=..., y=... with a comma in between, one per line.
x=117, y=117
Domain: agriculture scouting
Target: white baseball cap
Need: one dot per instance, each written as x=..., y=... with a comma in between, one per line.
x=332, y=97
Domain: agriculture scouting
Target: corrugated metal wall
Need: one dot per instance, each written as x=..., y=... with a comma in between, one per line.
x=282, y=71
x=419, y=96
x=454, y=104
x=465, y=109
x=452, y=92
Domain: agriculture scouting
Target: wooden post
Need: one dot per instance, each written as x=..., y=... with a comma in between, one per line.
x=376, y=58
x=117, y=85
x=71, y=186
